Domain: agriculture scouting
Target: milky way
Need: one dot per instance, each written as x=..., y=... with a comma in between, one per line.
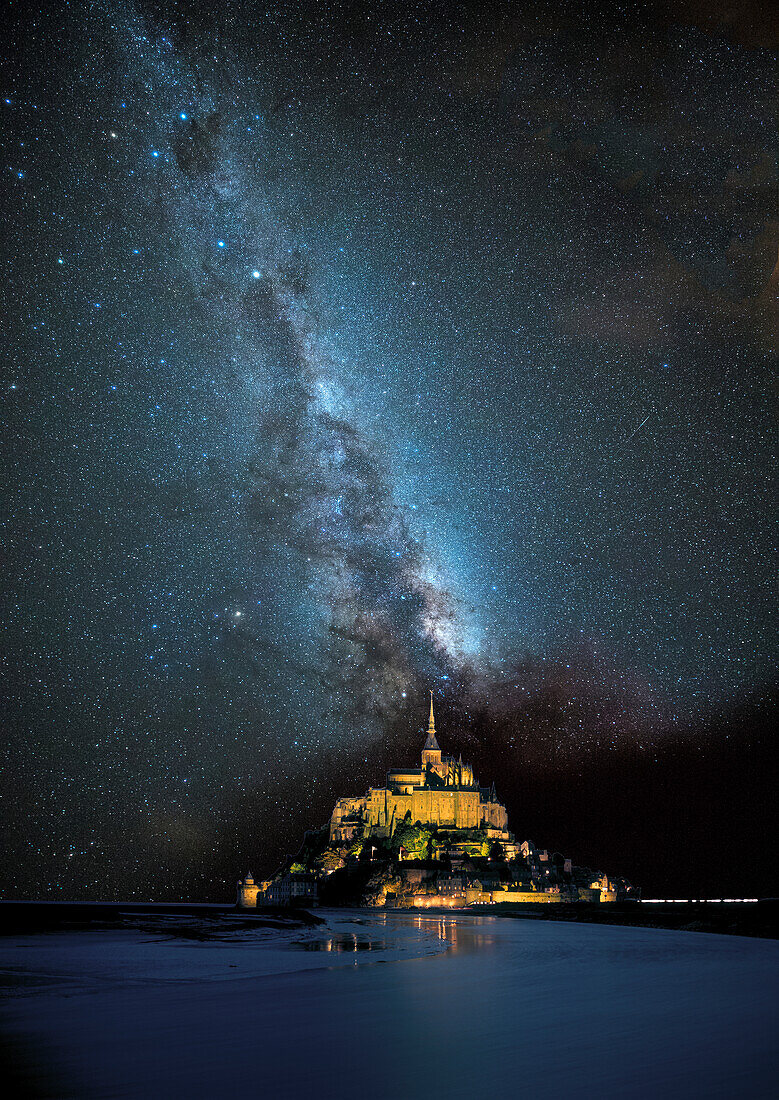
x=360, y=352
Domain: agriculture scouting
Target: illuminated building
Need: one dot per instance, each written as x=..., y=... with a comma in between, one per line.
x=431, y=836
x=441, y=792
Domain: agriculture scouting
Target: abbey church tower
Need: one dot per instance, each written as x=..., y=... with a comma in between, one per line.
x=431, y=754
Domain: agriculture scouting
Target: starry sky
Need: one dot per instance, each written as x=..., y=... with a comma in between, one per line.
x=356, y=350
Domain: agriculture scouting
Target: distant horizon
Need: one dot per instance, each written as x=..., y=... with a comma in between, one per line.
x=585, y=803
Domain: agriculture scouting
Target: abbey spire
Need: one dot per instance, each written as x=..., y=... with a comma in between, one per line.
x=431, y=744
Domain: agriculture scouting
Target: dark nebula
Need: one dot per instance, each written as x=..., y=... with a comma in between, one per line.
x=356, y=350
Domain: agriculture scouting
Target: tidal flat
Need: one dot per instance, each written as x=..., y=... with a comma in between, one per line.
x=202, y=1001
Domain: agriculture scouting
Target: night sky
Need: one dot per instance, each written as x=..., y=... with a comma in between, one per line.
x=366, y=349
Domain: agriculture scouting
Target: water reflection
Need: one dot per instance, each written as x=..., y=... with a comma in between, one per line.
x=460, y=938
x=393, y=931
x=460, y=935
x=339, y=942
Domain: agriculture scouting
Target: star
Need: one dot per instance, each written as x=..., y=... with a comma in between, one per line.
x=489, y=486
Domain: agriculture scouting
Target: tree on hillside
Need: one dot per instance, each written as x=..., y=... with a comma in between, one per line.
x=415, y=839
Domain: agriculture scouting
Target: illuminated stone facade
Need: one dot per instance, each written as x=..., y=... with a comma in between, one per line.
x=248, y=890
x=431, y=836
x=441, y=792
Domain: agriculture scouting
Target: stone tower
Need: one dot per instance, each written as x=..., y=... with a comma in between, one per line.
x=248, y=890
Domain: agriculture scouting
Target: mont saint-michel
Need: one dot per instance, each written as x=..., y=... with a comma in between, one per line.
x=431, y=836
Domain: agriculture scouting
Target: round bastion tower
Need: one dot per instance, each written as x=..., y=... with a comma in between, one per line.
x=248, y=890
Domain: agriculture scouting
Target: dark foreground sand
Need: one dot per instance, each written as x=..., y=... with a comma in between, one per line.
x=388, y=1005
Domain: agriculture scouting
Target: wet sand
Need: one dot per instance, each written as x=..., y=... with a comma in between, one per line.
x=389, y=1005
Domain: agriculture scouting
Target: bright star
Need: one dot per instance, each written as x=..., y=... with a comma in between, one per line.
x=255, y=274
x=220, y=244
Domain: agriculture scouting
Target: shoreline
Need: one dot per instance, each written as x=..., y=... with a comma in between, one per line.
x=759, y=919
x=22, y=918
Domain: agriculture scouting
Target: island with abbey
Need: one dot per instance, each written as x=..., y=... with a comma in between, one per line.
x=431, y=836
